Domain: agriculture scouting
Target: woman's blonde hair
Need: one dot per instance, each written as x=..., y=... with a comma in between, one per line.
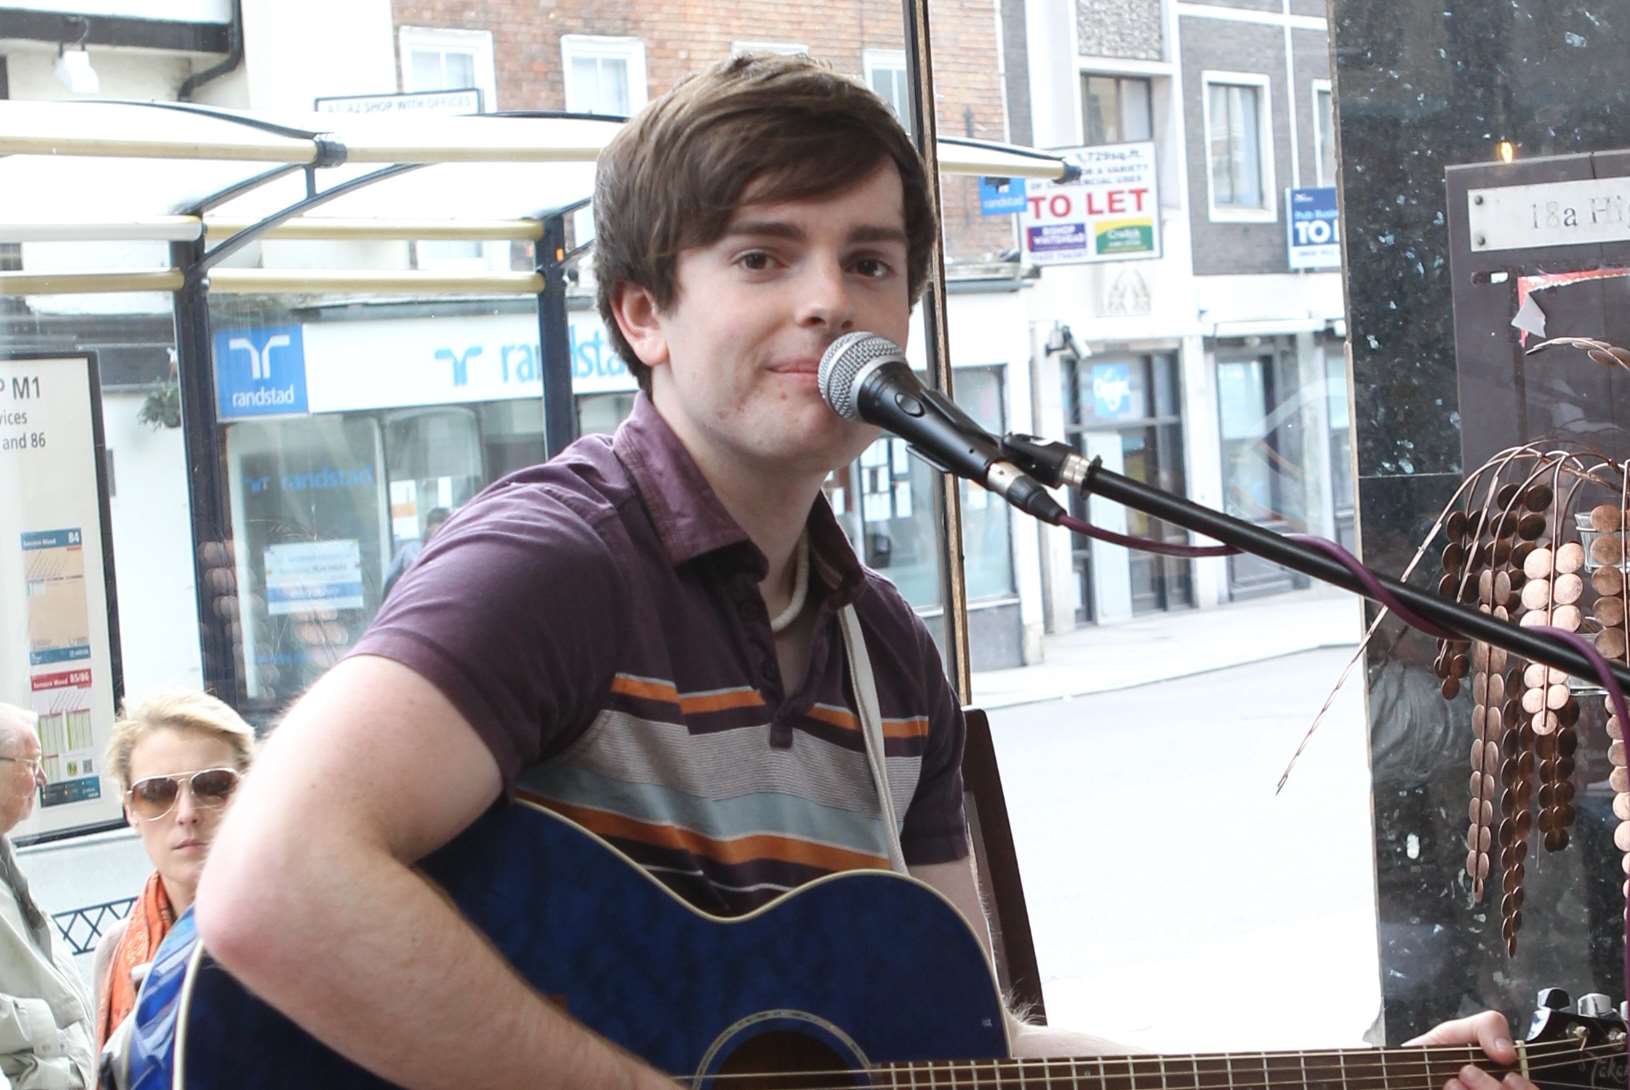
x=178, y=709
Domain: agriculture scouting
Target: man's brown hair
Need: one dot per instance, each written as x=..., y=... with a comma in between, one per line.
x=789, y=125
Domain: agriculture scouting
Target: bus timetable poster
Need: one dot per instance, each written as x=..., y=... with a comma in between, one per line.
x=58, y=631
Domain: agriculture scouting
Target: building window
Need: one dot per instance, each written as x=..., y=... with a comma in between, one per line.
x=438, y=59
x=11, y=256
x=1324, y=131
x=1116, y=109
x=1239, y=143
x=603, y=75
x=886, y=74
x=785, y=49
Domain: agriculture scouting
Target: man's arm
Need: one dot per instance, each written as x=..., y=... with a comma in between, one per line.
x=309, y=897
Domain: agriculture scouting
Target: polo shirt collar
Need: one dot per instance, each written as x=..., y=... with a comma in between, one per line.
x=690, y=519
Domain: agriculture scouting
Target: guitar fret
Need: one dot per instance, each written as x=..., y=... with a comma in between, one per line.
x=1267, y=1081
x=1341, y=1063
x=1163, y=1085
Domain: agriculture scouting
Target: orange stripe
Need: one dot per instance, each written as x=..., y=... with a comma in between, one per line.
x=629, y=685
x=916, y=727
x=742, y=849
x=718, y=702
x=837, y=717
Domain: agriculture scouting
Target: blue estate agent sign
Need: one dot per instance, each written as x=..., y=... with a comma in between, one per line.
x=1001, y=196
x=1312, y=228
x=260, y=372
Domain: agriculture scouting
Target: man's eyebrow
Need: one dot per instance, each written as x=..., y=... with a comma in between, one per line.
x=792, y=232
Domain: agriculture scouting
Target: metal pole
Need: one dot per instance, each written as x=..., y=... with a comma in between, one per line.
x=1292, y=554
x=206, y=491
x=919, y=65
x=554, y=338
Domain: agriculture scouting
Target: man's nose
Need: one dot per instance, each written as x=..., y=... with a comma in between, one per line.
x=826, y=299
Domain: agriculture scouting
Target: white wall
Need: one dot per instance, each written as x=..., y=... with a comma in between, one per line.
x=152, y=550
x=124, y=73
x=297, y=50
x=185, y=11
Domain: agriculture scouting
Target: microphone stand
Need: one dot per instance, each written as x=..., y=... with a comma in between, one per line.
x=1056, y=464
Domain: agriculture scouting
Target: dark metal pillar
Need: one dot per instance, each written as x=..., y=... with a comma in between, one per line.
x=554, y=338
x=219, y=631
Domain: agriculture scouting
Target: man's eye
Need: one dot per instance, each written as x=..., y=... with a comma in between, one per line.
x=754, y=261
x=873, y=267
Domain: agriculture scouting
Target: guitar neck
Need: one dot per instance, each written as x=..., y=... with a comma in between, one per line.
x=1417, y=1068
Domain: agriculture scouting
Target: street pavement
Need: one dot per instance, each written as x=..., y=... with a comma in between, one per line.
x=1177, y=901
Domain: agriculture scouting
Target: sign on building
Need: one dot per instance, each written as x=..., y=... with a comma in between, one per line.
x=1001, y=196
x=59, y=639
x=260, y=372
x=1110, y=213
x=1312, y=228
x=465, y=100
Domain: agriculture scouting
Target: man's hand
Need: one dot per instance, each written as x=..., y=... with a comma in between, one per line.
x=1488, y=1029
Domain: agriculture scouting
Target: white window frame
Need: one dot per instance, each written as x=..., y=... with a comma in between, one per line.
x=477, y=43
x=602, y=47
x=1269, y=213
x=1320, y=136
x=877, y=60
x=785, y=49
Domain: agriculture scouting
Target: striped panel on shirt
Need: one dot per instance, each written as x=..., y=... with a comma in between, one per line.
x=715, y=811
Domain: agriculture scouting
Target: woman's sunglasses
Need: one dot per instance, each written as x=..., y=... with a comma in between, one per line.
x=152, y=798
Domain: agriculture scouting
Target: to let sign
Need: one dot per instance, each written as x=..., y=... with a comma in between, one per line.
x=1110, y=213
x=1312, y=228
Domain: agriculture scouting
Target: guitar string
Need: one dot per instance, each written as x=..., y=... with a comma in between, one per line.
x=930, y=1079
x=1013, y=1072
x=1423, y=1056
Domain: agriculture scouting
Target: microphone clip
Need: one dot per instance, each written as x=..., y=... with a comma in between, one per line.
x=1049, y=461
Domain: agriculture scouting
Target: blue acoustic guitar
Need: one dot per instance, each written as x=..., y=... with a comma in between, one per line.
x=864, y=979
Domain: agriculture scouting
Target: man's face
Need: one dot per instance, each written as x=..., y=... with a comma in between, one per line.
x=19, y=778
x=734, y=358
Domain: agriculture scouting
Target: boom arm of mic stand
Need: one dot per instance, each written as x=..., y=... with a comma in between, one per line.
x=1056, y=464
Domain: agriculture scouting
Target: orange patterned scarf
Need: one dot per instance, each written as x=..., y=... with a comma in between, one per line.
x=149, y=921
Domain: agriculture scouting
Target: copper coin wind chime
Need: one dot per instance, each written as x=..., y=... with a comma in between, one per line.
x=1539, y=534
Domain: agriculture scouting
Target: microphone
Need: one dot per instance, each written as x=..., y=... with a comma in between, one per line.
x=866, y=377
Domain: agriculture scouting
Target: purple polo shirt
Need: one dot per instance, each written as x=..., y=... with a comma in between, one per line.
x=597, y=619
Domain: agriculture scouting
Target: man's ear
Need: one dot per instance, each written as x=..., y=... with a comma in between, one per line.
x=637, y=317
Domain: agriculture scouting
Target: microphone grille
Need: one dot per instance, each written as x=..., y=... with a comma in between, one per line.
x=843, y=360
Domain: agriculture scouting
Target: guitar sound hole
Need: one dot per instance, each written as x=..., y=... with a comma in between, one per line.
x=787, y=1061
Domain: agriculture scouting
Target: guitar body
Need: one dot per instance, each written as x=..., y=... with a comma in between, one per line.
x=851, y=971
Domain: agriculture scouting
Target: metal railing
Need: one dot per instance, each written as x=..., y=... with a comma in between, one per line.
x=82, y=927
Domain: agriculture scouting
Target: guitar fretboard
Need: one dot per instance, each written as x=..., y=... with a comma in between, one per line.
x=1358, y=1069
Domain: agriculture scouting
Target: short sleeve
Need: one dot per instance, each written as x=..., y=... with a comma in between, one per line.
x=512, y=613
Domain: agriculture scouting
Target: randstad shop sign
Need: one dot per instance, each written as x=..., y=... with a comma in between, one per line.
x=259, y=372
x=396, y=363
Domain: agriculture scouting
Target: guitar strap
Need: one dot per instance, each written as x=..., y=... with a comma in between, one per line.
x=871, y=727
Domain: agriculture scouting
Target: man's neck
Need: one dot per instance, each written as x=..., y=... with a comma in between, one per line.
x=770, y=503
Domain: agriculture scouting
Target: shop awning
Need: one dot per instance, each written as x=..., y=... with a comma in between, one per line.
x=121, y=170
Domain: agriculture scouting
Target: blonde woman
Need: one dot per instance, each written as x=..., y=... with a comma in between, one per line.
x=178, y=756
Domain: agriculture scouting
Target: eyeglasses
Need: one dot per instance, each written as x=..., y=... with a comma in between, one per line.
x=155, y=796
x=30, y=763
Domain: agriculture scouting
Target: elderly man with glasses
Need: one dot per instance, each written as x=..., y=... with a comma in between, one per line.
x=45, y=1013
